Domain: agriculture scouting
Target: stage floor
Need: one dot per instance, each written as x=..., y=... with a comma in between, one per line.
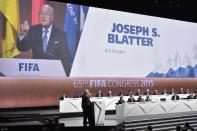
x=71, y=120
x=112, y=120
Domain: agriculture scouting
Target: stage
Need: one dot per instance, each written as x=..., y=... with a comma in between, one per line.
x=112, y=120
x=39, y=119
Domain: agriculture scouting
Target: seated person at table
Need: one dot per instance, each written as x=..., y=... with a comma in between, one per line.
x=99, y=94
x=131, y=98
x=172, y=91
x=182, y=91
x=121, y=100
x=195, y=90
x=121, y=93
x=109, y=93
x=63, y=96
x=187, y=91
x=129, y=93
x=77, y=95
x=191, y=96
x=175, y=96
x=147, y=92
x=165, y=92
x=140, y=99
x=148, y=98
x=155, y=92
x=138, y=93
x=195, y=95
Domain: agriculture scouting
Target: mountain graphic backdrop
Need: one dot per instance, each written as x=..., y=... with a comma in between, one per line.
x=181, y=72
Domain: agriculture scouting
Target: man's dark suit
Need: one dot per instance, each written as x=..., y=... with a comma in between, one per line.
x=57, y=45
x=87, y=110
x=99, y=95
x=147, y=93
x=62, y=97
x=138, y=93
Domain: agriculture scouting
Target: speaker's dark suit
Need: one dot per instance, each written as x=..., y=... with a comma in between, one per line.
x=57, y=45
x=87, y=110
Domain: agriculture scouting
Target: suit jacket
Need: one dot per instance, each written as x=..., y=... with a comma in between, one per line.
x=184, y=92
x=147, y=93
x=62, y=97
x=86, y=103
x=77, y=96
x=120, y=94
x=57, y=45
x=108, y=95
x=195, y=97
x=138, y=93
x=97, y=95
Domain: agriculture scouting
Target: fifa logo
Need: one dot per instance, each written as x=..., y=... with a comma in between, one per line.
x=28, y=67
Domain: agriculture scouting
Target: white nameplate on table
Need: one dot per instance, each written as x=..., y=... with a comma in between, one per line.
x=30, y=67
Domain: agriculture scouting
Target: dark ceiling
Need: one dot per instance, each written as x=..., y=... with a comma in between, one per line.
x=175, y=9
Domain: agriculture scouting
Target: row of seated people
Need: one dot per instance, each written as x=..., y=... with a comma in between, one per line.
x=140, y=98
x=138, y=93
x=132, y=99
x=147, y=92
x=155, y=92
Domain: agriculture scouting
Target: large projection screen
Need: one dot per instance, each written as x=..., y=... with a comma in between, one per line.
x=91, y=48
x=109, y=43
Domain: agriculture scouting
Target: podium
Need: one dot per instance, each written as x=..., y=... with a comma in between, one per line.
x=99, y=112
x=31, y=67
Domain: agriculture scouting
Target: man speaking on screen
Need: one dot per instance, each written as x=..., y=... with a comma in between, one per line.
x=45, y=40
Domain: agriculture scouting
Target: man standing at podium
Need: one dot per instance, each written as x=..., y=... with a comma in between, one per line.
x=45, y=40
x=87, y=109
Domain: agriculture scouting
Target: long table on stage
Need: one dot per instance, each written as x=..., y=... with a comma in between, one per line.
x=155, y=107
x=74, y=104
